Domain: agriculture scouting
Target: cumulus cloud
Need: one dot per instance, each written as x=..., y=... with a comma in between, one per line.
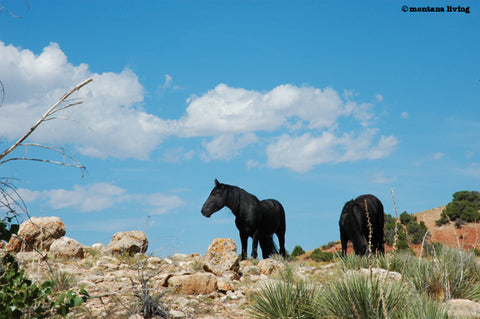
x=94, y=197
x=227, y=146
x=299, y=127
x=118, y=128
x=234, y=117
x=100, y=196
x=226, y=110
x=302, y=153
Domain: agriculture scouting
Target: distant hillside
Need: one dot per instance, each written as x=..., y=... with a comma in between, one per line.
x=468, y=236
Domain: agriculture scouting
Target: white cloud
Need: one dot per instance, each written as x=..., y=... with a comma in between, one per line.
x=229, y=114
x=100, y=196
x=94, y=197
x=438, y=156
x=227, y=110
x=227, y=146
x=405, y=115
x=230, y=119
x=380, y=178
x=302, y=153
x=35, y=82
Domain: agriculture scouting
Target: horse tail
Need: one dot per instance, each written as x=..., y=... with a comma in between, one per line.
x=268, y=246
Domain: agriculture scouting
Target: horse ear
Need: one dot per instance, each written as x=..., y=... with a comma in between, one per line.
x=217, y=182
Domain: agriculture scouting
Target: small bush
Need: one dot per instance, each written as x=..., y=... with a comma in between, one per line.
x=319, y=255
x=297, y=251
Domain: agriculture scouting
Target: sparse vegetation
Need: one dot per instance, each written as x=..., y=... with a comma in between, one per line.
x=410, y=232
x=319, y=255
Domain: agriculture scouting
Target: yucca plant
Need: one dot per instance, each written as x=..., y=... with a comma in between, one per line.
x=454, y=273
x=61, y=280
x=283, y=299
x=358, y=296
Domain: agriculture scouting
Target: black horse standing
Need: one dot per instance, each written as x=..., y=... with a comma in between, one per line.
x=354, y=224
x=254, y=218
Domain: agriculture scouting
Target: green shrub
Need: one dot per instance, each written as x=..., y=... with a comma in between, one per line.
x=464, y=207
x=319, y=255
x=409, y=231
x=297, y=251
x=21, y=298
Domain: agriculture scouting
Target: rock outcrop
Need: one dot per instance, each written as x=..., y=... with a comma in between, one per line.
x=37, y=233
x=66, y=247
x=130, y=242
x=194, y=284
x=222, y=257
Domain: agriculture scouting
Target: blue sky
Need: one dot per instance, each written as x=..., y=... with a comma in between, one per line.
x=312, y=103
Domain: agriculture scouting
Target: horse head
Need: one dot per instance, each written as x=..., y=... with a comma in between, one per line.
x=216, y=200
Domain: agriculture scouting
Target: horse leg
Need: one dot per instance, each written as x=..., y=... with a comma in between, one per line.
x=344, y=241
x=244, y=240
x=255, y=245
x=281, y=241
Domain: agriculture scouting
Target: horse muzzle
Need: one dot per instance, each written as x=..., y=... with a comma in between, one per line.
x=206, y=214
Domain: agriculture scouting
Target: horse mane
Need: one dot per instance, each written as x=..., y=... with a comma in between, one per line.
x=237, y=195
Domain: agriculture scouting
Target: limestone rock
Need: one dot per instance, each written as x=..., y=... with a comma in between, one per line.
x=130, y=242
x=221, y=256
x=463, y=308
x=98, y=246
x=67, y=248
x=195, y=284
x=38, y=233
x=270, y=267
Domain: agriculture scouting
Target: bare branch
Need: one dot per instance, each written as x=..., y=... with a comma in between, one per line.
x=58, y=149
x=9, y=198
x=44, y=117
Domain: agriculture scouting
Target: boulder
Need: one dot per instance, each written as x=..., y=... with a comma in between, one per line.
x=221, y=256
x=130, y=242
x=37, y=233
x=66, y=247
x=463, y=308
x=270, y=267
x=195, y=284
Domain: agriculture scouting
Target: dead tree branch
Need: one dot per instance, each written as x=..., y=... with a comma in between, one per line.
x=45, y=117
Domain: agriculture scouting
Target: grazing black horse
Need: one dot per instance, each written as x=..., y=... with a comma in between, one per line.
x=354, y=224
x=254, y=218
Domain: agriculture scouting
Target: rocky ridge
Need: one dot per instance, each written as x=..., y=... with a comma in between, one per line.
x=216, y=285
